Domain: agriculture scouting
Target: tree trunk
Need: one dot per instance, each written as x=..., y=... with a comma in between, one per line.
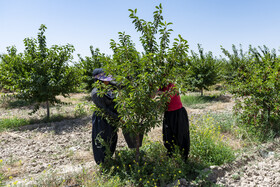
x=201, y=91
x=268, y=115
x=137, y=147
x=48, y=110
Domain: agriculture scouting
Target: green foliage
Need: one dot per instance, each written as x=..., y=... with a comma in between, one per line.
x=207, y=145
x=2, y=176
x=12, y=68
x=154, y=168
x=235, y=61
x=41, y=73
x=15, y=123
x=204, y=70
x=141, y=75
x=101, y=179
x=80, y=110
x=88, y=64
x=257, y=91
x=226, y=121
x=12, y=123
x=193, y=100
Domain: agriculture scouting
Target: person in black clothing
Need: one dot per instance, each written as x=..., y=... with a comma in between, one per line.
x=101, y=129
x=175, y=127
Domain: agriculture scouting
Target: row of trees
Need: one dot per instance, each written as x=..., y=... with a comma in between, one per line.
x=39, y=74
x=254, y=81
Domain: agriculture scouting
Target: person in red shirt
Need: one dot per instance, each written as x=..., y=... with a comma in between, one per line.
x=175, y=124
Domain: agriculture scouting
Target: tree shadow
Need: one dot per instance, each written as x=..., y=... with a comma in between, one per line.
x=11, y=101
x=223, y=98
x=62, y=125
x=17, y=104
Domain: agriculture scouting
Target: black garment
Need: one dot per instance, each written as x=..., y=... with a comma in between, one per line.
x=176, y=131
x=105, y=103
x=104, y=130
x=130, y=139
x=101, y=128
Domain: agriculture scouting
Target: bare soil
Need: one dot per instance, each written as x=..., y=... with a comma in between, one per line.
x=41, y=151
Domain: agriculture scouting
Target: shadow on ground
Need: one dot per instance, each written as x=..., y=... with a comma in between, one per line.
x=66, y=125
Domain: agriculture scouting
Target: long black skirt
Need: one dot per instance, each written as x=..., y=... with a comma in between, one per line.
x=176, y=131
x=103, y=135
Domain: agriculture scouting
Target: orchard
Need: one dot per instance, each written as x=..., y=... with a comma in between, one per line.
x=44, y=93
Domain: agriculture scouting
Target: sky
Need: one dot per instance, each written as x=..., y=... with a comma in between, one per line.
x=211, y=23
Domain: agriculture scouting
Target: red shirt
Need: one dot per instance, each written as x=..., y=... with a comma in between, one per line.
x=175, y=100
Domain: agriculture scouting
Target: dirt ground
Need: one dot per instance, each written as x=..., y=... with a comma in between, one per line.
x=40, y=152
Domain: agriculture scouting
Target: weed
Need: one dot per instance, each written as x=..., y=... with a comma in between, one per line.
x=80, y=110
x=207, y=145
x=236, y=176
x=12, y=123
x=2, y=176
x=70, y=153
x=226, y=121
x=84, y=177
x=196, y=101
x=154, y=168
x=15, y=123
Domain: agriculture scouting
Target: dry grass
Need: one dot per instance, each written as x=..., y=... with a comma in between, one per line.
x=74, y=98
x=232, y=141
x=83, y=156
x=156, y=134
x=12, y=168
x=68, y=110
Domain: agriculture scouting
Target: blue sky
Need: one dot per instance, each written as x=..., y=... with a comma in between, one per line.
x=82, y=23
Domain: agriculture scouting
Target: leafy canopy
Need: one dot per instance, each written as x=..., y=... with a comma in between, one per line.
x=40, y=73
x=140, y=75
x=88, y=64
x=256, y=86
x=203, y=70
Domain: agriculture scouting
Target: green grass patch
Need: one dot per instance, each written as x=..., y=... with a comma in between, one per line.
x=194, y=101
x=81, y=109
x=15, y=123
x=87, y=177
x=226, y=121
x=207, y=145
x=12, y=123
